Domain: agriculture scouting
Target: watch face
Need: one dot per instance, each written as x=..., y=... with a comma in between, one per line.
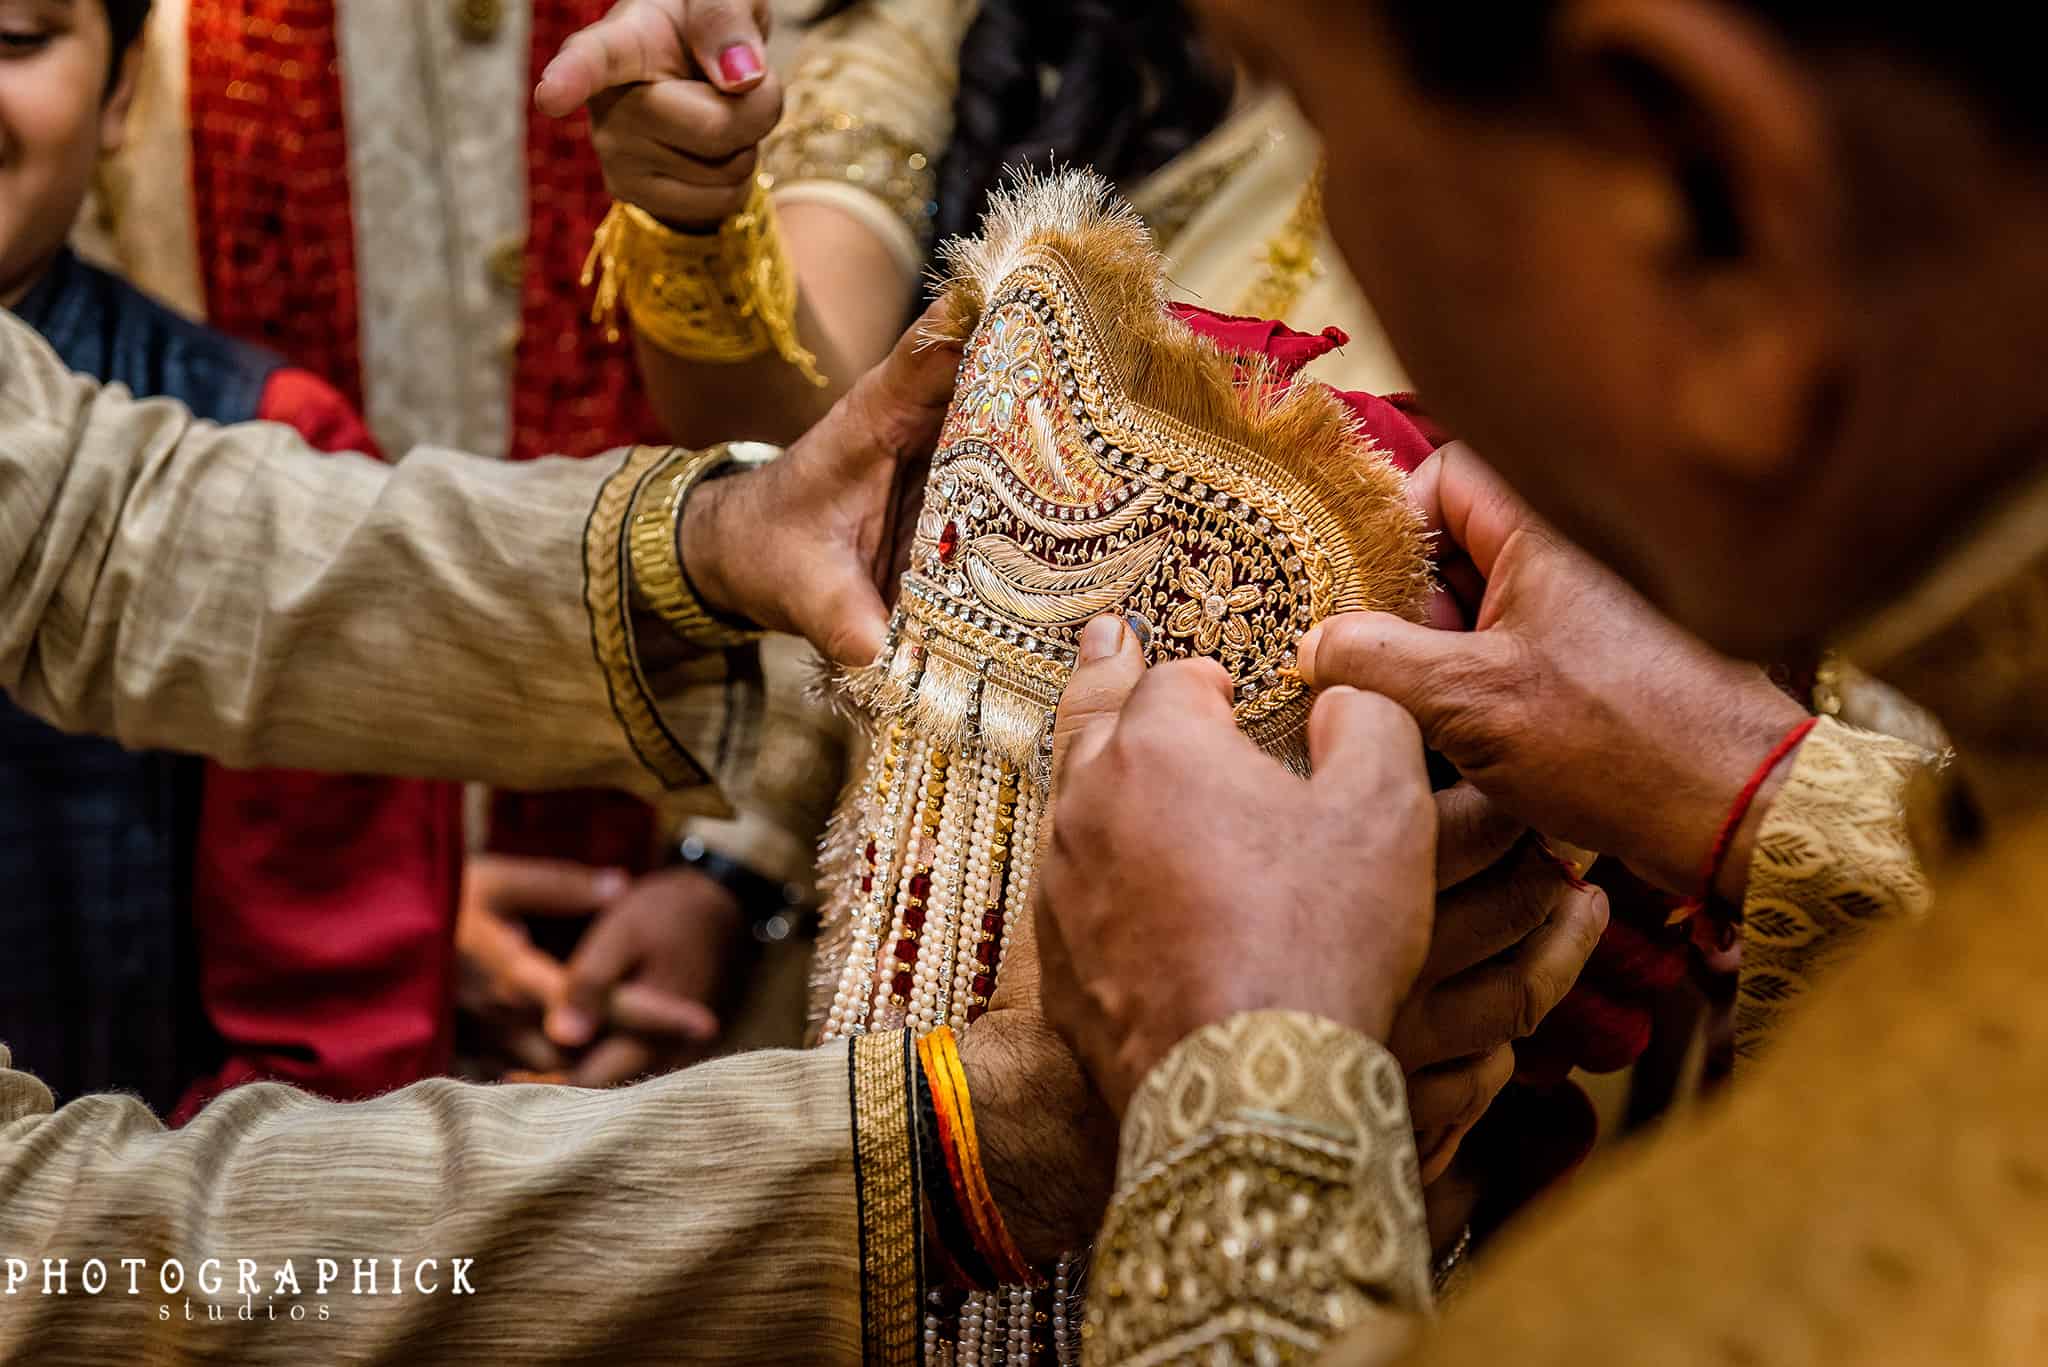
x=751, y=453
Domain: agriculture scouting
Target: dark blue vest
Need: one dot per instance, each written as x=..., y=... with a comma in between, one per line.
x=97, y=986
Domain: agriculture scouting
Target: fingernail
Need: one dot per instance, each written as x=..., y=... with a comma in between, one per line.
x=1305, y=653
x=570, y=1028
x=739, y=64
x=1141, y=628
x=1101, y=639
x=611, y=883
x=1566, y=869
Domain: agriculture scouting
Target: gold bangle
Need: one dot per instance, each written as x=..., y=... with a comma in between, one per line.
x=658, y=571
x=722, y=297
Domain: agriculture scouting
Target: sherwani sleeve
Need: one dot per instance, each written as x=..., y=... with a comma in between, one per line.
x=219, y=590
x=870, y=111
x=736, y=1212
x=1268, y=1200
x=1832, y=860
x=1267, y=1207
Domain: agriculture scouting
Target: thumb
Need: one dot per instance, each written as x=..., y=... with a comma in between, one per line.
x=1436, y=676
x=727, y=44
x=1357, y=741
x=649, y=1010
x=852, y=621
x=1111, y=663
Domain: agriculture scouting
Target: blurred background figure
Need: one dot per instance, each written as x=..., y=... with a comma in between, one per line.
x=174, y=927
x=901, y=118
x=358, y=188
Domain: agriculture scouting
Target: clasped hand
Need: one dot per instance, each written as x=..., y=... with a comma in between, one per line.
x=1192, y=877
x=639, y=995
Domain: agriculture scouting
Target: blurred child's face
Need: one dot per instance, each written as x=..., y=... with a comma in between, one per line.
x=56, y=118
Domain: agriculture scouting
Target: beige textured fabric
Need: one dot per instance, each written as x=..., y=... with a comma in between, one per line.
x=1832, y=860
x=1223, y=206
x=218, y=590
x=871, y=111
x=437, y=185
x=1875, y=1190
x=708, y=1217
x=229, y=591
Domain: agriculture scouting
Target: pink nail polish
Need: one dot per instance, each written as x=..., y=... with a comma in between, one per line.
x=739, y=64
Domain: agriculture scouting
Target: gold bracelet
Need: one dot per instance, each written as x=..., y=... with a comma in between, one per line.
x=720, y=297
x=653, y=544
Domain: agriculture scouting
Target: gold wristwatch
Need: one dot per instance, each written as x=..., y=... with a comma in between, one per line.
x=654, y=543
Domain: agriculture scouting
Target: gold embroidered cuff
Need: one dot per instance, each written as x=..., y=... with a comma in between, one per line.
x=833, y=146
x=885, y=1185
x=1832, y=859
x=722, y=297
x=1267, y=1199
x=658, y=572
x=608, y=593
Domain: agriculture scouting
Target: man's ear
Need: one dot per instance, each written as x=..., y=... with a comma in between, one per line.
x=1732, y=187
x=121, y=98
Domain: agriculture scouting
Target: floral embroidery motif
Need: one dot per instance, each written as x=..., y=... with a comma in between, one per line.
x=1210, y=616
x=1006, y=376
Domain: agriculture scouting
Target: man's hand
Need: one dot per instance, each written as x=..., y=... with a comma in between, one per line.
x=1572, y=703
x=1048, y=1143
x=505, y=980
x=680, y=97
x=808, y=543
x=640, y=990
x=1506, y=948
x=1191, y=877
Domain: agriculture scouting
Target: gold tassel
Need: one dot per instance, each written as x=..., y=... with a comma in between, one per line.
x=604, y=268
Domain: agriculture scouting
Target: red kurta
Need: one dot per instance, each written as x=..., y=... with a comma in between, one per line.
x=323, y=905
x=277, y=254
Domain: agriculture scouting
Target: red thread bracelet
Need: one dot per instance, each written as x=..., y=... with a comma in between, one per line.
x=1710, y=872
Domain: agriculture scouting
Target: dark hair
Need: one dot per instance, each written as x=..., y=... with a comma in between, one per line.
x=1124, y=86
x=125, y=18
x=1484, y=50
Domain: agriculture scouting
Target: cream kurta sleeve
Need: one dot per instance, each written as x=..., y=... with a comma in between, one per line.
x=182, y=586
x=737, y=1212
